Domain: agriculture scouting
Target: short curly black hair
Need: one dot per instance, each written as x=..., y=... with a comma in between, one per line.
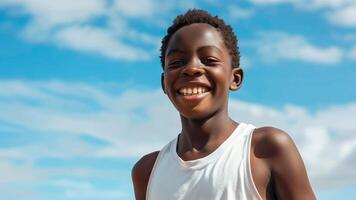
x=201, y=16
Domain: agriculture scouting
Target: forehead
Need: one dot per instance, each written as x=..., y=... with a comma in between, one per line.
x=195, y=36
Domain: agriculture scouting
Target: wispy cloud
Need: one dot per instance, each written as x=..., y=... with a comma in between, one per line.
x=344, y=16
x=100, y=27
x=105, y=27
x=274, y=46
x=325, y=137
x=337, y=12
x=96, y=40
x=65, y=109
x=94, y=26
x=136, y=8
x=352, y=53
x=131, y=124
x=86, y=190
x=268, y=2
x=245, y=62
x=18, y=173
x=306, y=4
x=236, y=12
x=57, y=12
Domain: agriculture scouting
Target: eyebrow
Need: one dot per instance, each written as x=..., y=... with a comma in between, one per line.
x=172, y=51
x=210, y=47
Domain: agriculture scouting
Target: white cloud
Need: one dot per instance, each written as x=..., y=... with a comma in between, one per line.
x=62, y=180
x=112, y=121
x=352, y=53
x=55, y=12
x=236, y=12
x=329, y=3
x=18, y=173
x=86, y=190
x=325, y=138
x=136, y=8
x=337, y=12
x=46, y=16
x=245, y=62
x=101, y=27
x=74, y=25
x=131, y=123
x=267, y=2
x=345, y=16
x=66, y=183
x=306, y=4
x=95, y=194
x=275, y=46
x=98, y=40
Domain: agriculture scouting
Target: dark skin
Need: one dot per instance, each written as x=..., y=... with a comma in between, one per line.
x=197, y=56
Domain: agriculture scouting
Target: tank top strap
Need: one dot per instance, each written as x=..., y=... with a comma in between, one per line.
x=250, y=185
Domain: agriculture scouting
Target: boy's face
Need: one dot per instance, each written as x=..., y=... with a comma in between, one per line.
x=198, y=72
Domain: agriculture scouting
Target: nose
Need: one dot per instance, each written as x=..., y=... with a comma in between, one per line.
x=193, y=68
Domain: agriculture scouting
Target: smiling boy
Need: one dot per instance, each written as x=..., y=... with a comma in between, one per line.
x=214, y=157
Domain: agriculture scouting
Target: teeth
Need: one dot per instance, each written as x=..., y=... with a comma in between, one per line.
x=189, y=91
x=183, y=91
x=200, y=90
x=193, y=91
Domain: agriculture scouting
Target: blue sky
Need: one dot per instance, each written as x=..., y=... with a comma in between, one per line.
x=80, y=98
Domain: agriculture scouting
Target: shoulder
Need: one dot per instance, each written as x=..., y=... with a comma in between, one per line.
x=270, y=142
x=275, y=147
x=141, y=173
x=280, y=155
x=266, y=145
x=144, y=166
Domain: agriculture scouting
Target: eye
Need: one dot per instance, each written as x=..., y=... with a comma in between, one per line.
x=210, y=61
x=175, y=63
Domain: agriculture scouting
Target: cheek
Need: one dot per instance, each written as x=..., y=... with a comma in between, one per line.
x=169, y=78
x=221, y=79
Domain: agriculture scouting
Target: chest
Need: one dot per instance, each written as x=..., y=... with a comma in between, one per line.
x=223, y=177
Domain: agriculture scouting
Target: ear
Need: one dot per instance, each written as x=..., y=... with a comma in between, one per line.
x=236, y=79
x=162, y=83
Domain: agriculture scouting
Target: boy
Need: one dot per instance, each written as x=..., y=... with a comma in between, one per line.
x=214, y=157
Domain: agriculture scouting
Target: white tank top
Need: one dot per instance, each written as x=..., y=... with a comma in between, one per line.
x=225, y=174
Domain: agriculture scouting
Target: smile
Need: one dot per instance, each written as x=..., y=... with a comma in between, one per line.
x=189, y=91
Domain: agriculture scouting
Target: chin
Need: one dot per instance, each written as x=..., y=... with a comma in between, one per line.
x=196, y=114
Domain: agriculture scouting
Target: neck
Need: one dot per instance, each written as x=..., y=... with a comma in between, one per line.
x=197, y=133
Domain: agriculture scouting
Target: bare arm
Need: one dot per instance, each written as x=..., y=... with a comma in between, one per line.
x=286, y=177
x=141, y=173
